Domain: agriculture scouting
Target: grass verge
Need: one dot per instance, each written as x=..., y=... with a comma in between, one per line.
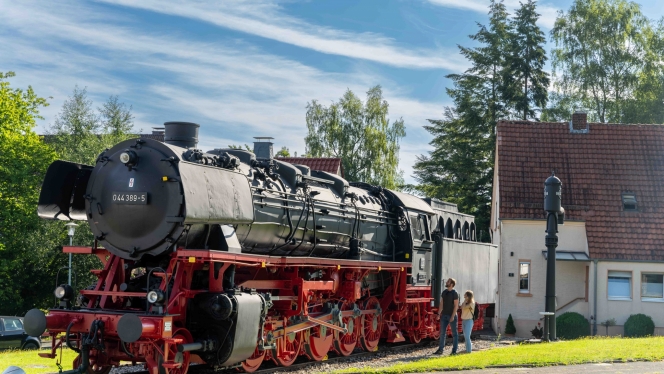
x=546, y=354
x=33, y=364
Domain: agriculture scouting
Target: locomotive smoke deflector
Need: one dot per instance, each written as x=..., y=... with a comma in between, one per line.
x=63, y=191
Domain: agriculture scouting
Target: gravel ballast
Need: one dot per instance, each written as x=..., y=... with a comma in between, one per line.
x=385, y=357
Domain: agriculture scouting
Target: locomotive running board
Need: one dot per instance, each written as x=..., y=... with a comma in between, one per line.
x=202, y=255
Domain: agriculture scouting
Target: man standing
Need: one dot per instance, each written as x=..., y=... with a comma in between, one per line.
x=449, y=303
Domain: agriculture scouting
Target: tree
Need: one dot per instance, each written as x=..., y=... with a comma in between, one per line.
x=509, y=326
x=460, y=168
x=116, y=118
x=23, y=161
x=526, y=81
x=609, y=55
x=360, y=134
x=283, y=152
x=80, y=134
x=246, y=147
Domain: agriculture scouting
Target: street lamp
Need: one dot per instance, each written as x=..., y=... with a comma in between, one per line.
x=71, y=229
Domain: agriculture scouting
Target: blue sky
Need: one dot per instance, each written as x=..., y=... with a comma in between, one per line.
x=248, y=68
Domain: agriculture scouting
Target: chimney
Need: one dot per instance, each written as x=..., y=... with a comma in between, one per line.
x=579, y=123
x=181, y=134
x=295, y=154
x=263, y=147
x=158, y=131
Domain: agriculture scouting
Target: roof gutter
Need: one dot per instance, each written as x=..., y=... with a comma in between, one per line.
x=595, y=300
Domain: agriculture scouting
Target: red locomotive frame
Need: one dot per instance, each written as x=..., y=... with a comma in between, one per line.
x=296, y=324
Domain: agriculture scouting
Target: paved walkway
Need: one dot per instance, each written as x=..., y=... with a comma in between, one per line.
x=622, y=368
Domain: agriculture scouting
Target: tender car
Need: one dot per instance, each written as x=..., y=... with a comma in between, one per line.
x=13, y=336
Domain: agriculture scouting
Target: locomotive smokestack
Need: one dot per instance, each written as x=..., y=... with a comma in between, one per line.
x=181, y=134
x=263, y=147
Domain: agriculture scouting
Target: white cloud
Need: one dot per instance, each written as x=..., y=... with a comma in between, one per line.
x=266, y=20
x=547, y=18
x=233, y=89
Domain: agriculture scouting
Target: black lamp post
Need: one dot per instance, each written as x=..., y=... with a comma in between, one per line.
x=555, y=215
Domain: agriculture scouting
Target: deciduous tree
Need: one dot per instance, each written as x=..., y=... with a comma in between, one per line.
x=283, y=152
x=23, y=160
x=608, y=54
x=361, y=134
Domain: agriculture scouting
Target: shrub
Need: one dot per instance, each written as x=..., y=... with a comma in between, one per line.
x=572, y=325
x=537, y=332
x=639, y=325
x=509, y=326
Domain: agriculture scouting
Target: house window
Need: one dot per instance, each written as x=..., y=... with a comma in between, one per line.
x=629, y=202
x=652, y=286
x=524, y=276
x=620, y=285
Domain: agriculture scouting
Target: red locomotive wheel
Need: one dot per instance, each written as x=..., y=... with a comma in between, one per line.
x=435, y=321
x=372, y=326
x=317, y=342
x=254, y=362
x=414, y=336
x=97, y=365
x=173, y=354
x=344, y=344
x=288, y=348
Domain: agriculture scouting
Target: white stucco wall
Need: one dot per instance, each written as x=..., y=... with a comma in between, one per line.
x=524, y=240
x=620, y=310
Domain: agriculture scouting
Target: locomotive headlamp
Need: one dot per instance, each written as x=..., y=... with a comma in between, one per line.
x=155, y=297
x=128, y=157
x=65, y=292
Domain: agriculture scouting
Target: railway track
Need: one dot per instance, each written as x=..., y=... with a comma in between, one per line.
x=336, y=359
x=271, y=368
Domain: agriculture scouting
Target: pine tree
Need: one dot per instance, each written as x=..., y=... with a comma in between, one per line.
x=509, y=325
x=528, y=82
x=460, y=169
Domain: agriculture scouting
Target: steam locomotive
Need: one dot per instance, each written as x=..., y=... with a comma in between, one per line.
x=227, y=259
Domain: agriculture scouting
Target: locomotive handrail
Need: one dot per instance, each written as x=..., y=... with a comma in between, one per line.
x=317, y=200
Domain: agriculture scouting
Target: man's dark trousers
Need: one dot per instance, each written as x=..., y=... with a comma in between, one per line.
x=444, y=322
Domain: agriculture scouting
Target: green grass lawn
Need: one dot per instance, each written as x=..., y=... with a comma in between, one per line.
x=33, y=364
x=545, y=354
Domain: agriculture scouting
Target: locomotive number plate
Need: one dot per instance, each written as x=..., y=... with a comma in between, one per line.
x=132, y=198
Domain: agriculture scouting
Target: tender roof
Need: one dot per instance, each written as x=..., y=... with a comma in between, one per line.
x=595, y=169
x=330, y=165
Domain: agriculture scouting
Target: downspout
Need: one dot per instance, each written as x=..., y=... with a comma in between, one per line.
x=595, y=301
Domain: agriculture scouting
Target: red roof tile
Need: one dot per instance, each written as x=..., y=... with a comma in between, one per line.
x=595, y=169
x=330, y=165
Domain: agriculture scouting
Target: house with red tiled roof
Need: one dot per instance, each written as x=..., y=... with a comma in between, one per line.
x=610, y=255
x=328, y=164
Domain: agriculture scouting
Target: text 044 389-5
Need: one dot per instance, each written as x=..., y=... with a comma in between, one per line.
x=137, y=198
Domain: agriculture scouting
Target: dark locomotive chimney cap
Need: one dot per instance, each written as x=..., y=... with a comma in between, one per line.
x=181, y=134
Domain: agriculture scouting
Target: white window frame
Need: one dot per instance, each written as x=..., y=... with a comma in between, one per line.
x=649, y=298
x=620, y=274
x=530, y=266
